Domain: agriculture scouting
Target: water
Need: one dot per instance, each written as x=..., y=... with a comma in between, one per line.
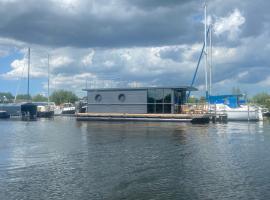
x=65, y=159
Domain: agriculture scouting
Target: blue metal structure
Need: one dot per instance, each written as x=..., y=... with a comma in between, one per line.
x=232, y=100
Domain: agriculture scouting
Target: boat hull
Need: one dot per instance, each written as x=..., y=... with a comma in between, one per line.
x=45, y=114
x=234, y=115
x=243, y=113
x=4, y=115
x=68, y=112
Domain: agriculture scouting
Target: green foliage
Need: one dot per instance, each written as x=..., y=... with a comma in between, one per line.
x=39, y=98
x=23, y=97
x=262, y=99
x=63, y=96
x=6, y=97
x=192, y=99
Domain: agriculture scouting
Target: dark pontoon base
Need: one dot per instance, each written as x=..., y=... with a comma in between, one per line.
x=195, y=119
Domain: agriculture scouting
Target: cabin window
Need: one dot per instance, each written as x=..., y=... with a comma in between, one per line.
x=98, y=98
x=159, y=100
x=121, y=98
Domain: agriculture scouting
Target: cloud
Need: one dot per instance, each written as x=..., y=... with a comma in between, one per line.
x=230, y=25
x=109, y=43
x=100, y=23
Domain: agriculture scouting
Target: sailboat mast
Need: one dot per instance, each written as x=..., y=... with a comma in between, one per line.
x=211, y=61
x=205, y=51
x=48, y=78
x=28, y=75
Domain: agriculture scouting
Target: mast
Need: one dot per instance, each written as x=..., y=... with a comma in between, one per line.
x=28, y=75
x=48, y=79
x=205, y=51
x=211, y=61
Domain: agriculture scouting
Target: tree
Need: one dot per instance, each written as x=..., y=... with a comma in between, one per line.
x=63, y=96
x=6, y=97
x=192, y=99
x=262, y=99
x=23, y=97
x=39, y=98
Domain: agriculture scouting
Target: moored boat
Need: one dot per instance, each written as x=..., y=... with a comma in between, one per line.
x=4, y=114
x=235, y=109
x=68, y=108
x=45, y=110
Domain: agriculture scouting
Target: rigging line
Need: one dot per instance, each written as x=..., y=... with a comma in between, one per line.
x=198, y=64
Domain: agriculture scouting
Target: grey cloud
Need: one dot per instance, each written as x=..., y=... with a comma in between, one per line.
x=42, y=23
x=108, y=26
x=173, y=54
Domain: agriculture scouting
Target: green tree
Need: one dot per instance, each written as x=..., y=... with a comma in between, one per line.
x=63, y=96
x=6, y=97
x=39, y=98
x=192, y=99
x=262, y=99
x=23, y=97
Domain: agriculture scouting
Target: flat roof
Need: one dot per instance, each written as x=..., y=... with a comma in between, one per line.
x=187, y=88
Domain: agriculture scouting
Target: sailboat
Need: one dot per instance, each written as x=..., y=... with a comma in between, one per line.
x=228, y=104
x=28, y=110
x=46, y=109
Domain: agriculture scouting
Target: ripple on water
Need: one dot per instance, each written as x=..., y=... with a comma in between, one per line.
x=65, y=159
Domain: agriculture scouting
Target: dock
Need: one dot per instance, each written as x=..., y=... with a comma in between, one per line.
x=193, y=118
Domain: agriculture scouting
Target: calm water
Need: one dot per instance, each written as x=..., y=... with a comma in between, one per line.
x=65, y=159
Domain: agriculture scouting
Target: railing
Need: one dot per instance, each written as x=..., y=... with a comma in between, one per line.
x=201, y=108
x=194, y=108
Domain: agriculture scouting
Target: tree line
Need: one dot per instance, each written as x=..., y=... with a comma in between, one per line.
x=64, y=96
x=58, y=96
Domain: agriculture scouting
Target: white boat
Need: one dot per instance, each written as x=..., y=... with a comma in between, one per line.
x=223, y=104
x=241, y=113
x=45, y=109
x=68, y=108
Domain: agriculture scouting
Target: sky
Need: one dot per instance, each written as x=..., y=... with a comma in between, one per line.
x=123, y=43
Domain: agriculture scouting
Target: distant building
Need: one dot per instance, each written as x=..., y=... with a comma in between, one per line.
x=137, y=100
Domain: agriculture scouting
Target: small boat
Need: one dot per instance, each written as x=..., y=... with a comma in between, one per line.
x=265, y=112
x=81, y=106
x=29, y=112
x=4, y=114
x=68, y=109
x=236, y=109
x=45, y=110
